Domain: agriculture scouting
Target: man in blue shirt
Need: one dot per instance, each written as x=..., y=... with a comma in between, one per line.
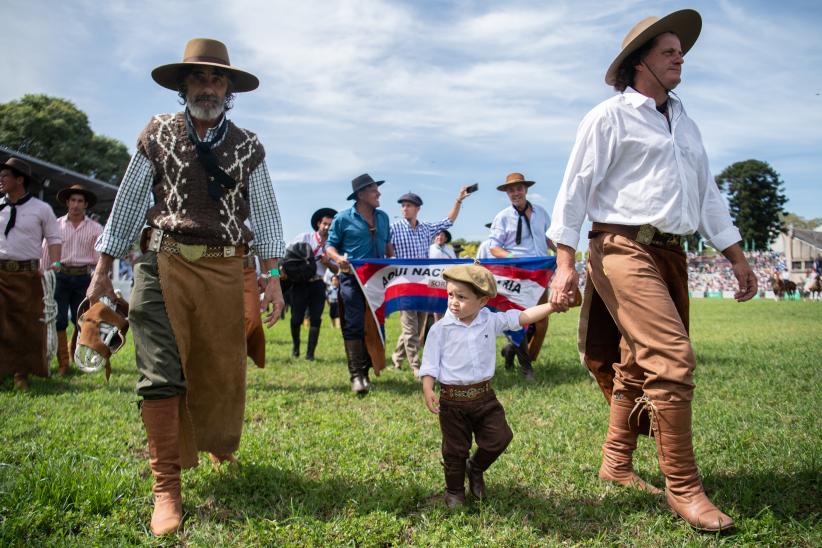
x=359, y=232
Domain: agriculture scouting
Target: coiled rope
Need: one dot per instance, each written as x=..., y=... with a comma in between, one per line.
x=50, y=313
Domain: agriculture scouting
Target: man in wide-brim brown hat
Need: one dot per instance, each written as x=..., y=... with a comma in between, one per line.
x=518, y=230
x=77, y=260
x=208, y=177
x=25, y=222
x=639, y=171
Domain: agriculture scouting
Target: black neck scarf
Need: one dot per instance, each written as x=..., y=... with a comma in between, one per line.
x=218, y=179
x=13, y=205
x=522, y=216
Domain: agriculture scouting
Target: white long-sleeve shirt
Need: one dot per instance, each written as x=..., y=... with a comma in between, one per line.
x=627, y=167
x=461, y=354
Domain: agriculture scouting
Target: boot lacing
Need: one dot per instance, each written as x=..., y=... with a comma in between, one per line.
x=644, y=403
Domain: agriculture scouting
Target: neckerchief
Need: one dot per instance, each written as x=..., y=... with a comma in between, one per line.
x=13, y=216
x=522, y=216
x=218, y=179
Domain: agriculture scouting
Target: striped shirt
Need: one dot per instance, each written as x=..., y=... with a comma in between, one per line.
x=413, y=243
x=78, y=242
x=135, y=197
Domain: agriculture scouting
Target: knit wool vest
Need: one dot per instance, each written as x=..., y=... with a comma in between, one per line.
x=182, y=205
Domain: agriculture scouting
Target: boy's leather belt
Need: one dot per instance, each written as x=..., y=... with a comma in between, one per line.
x=467, y=392
x=19, y=266
x=642, y=234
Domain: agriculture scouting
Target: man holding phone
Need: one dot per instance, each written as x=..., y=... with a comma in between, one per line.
x=412, y=240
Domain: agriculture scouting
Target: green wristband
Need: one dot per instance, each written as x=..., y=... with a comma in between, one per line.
x=510, y=255
x=274, y=272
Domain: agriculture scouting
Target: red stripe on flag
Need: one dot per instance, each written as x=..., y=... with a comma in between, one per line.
x=508, y=271
x=369, y=269
x=413, y=290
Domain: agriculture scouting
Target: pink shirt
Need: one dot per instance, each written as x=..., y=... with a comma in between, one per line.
x=35, y=222
x=78, y=242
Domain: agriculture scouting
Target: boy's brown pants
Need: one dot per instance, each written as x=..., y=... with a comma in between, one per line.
x=483, y=418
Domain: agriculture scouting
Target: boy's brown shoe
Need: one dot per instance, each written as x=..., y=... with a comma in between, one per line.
x=476, y=483
x=454, y=500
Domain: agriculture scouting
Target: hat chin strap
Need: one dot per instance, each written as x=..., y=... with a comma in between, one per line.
x=667, y=91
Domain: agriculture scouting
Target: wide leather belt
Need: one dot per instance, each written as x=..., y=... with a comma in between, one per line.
x=162, y=241
x=642, y=234
x=75, y=270
x=468, y=392
x=19, y=266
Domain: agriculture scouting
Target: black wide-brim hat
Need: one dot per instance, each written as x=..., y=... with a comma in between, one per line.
x=447, y=236
x=64, y=194
x=359, y=183
x=207, y=53
x=320, y=214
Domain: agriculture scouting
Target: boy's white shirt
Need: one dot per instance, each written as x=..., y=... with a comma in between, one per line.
x=461, y=354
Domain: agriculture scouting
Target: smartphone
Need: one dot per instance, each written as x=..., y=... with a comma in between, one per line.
x=472, y=188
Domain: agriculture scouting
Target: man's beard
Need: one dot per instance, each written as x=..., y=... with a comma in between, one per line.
x=205, y=107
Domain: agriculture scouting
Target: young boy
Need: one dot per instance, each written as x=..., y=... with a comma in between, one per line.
x=460, y=353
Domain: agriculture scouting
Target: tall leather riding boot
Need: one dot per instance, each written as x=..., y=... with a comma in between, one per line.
x=62, y=353
x=162, y=421
x=313, y=337
x=355, y=352
x=684, y=491
x=295, y=340
x=620, y=443
x=454, y=483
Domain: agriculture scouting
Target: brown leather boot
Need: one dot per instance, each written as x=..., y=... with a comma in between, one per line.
x=671, y=421
x=619, y=446
x=62, y=353
x=476, y=481
x=162, y=422
x=21, y=382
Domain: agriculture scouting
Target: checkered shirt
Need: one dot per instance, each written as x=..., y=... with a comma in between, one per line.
x=413, y=243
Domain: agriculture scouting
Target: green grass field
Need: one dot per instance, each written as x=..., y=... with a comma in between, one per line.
x=323, y=467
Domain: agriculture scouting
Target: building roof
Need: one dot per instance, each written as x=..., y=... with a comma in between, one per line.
x=810, y=237
x=54, y=178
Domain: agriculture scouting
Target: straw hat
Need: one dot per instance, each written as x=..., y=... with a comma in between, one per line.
x=514, y=178
x=204, y=52
x=686, y=24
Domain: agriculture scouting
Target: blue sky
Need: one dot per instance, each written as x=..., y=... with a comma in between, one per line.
x=430, y=95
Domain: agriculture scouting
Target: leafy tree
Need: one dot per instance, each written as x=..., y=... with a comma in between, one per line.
x=801, y=222
x=755, y=199
x=55, y=130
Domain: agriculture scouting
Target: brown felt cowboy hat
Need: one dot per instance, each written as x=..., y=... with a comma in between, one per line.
x=360, y=182
x=65, y=194
x=204, y=52
x=686, y=24
x=515, y=178
x=20, y=168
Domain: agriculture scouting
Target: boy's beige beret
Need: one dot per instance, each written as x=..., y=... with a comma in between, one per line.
x=474, y=275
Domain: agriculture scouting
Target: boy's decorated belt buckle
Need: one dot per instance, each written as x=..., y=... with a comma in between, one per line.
x=646, y=234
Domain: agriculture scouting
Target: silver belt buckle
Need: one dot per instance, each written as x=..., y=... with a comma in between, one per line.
x=155, y=239
x=646, y=234
x=229, y=250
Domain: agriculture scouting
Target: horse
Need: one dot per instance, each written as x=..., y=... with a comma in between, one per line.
x=782, y=288
x=813, y=289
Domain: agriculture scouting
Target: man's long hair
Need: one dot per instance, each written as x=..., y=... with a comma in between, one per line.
x=627, y=69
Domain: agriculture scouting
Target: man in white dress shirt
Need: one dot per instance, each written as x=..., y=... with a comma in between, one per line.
x=520, y=231
x=639, y=171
